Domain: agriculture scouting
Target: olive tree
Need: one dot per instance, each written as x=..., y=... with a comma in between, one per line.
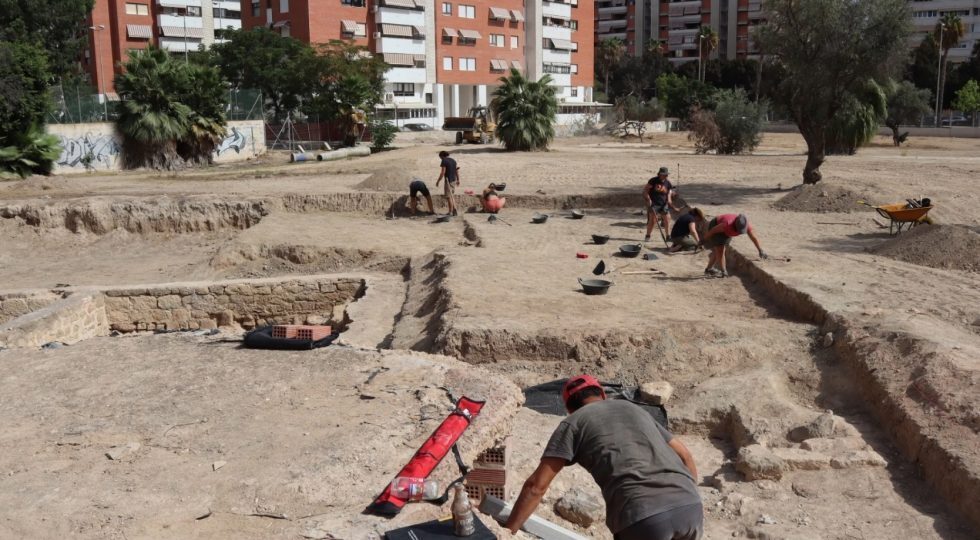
x=829, y=50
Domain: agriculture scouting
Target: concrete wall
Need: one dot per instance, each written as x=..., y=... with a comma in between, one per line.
x=956, y=131
x=248, y=303
x=99, y=143
x=70, y=320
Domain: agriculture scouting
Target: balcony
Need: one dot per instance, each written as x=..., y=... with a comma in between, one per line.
x=611, y=10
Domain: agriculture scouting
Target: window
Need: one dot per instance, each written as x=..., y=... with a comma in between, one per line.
x=447, y=63
x=466, y=12
x=513, y=42
x=467, y=64
x=256, y=9
x=497, y=40
x=573, y=24
x=428, y=97
x=574, y=91
x=558, y=69
x=193, y=11
x=355, y=3
x=137, y=9
x=574, y=68
x=447, y=8
x=220, y=13
x=361, y=30
x=447, y=40
x=574, y=45
x=403, y=89
x=283, y=6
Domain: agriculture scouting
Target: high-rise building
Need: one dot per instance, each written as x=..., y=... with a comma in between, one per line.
x=675, y=26
x=448, y=56
x=120, y=26
x=926, y=14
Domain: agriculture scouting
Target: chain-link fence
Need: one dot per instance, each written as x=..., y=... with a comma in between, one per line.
x=83, y=105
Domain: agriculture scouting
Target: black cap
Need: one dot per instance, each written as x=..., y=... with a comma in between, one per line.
x=663, y=170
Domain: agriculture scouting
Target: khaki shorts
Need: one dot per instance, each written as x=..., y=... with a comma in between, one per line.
x=450, y=187
x=685, y=242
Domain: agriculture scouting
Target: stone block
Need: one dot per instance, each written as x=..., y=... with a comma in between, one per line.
x=859, y=458
x=144, y=303
x=835, y=445
x=820, y=427
x=124, y=327
x=216, y=289
x=328, y=287
x=757, y=462
x=657, y=393
x=262, y=289
x=207, y=324
x=170, y=301
x=201, y=290
x=580, y=508
x=181, y=315
x=802, y=460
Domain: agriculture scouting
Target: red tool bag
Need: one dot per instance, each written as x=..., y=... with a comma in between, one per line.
x=431, y=453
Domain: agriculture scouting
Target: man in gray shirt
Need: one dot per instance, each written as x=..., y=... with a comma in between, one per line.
x=646, y=475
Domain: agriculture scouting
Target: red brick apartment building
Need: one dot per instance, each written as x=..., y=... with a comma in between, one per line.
x=675, y=25
x=119, y=26
x=448, y=56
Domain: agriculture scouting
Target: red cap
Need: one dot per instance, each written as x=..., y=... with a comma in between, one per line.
x=578, y=383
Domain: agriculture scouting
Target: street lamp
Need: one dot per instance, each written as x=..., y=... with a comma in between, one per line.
x=701, y=38
x=98, y=66
x=939, y=69
x=185, y=35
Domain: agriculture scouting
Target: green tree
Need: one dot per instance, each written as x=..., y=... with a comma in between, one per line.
x=283, y=68
x=857, y=120
x=24, y=80
x=525, y=112
x=949, y=31
x=171, y=113
x=679, y=94
x=349, y=86
x=637, y=76
x=27, y=153
x=923, y=68
x=633, y=114
x=57, y=26
x=906, y=105
x=608, y=55
x=829, y=49
x=968, y=99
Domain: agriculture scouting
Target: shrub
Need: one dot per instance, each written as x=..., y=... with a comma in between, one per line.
x=382, y=134
x=732, y=128
x=33, y=152
x=525, y=111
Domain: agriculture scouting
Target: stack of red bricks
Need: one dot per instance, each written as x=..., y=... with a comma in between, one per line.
x=489, y=473
x=300, y=331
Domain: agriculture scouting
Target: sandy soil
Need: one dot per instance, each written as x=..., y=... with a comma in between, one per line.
x=506, y=297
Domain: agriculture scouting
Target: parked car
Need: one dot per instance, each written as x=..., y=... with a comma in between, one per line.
x=956, y=120
x=416, y=127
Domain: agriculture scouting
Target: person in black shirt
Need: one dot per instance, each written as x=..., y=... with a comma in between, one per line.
x=685, y=234
x=659, y=196
x=449, y=171
x=416, y=188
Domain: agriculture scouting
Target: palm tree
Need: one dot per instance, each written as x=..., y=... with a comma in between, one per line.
x=949, y=31
x=608, y=56
x=707, y=43
x=151, y=119
x=525, y=112
x=858, y=119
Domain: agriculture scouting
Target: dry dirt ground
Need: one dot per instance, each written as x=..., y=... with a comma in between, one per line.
x=841, y=318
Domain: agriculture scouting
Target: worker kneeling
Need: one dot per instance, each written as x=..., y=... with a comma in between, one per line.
x=647, y=476
x=492, y=202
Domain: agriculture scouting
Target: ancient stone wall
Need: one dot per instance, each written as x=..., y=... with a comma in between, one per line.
x=70, y=320
x=13, y=305
x=246, y=303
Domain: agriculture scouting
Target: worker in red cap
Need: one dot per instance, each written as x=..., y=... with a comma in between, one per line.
x=647, y=475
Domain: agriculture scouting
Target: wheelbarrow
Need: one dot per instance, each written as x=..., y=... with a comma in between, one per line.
x=902, y=216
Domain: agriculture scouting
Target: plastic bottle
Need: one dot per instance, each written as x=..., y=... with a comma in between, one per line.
x=415, y=489
x=462, y=512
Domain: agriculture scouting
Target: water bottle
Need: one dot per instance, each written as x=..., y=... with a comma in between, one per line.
x=463, y=524
x=415, y=489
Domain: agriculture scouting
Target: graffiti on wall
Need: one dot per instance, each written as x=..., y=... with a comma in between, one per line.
x=89, y=151
x=235, y=140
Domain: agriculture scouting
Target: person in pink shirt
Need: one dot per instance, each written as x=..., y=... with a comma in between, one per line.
x=721, y=230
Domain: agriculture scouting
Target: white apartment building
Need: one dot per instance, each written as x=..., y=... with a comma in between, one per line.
x=926, y=13
x=186, y=25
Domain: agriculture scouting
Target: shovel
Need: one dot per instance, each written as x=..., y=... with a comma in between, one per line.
x=661, y=229
x=493, y=219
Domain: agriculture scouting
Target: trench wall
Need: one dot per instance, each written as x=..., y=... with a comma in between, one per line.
x=247, y=303
x=69, y=320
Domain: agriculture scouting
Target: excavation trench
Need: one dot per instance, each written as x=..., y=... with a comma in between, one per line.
x=740, y=396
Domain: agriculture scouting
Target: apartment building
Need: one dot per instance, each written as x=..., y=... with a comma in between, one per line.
x=178, y=26
x=675, y=26
x=926, y=13
x=448, y=56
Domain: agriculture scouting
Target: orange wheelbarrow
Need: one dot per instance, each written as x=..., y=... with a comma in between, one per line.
x=901, y=216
